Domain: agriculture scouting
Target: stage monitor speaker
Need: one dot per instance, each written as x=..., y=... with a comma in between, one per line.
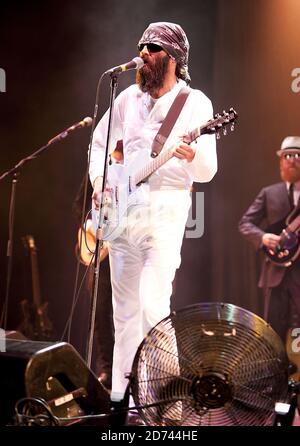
x=13, y=334
x=54, y=372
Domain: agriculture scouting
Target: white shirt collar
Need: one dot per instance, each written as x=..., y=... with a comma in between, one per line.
x=296, y=185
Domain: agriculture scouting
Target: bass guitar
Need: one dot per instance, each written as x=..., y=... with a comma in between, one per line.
x=36, y=324
x=125, y=181
x=288, y=248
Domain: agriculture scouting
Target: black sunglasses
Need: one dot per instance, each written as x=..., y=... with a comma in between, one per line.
x=152, y=48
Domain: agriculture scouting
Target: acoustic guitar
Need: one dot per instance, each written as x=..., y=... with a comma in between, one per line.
x=36, y=324
x=86, y=244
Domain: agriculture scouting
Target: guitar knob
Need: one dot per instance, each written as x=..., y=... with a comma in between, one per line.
x=218, y=136
x=232, y=127
x=224, y=131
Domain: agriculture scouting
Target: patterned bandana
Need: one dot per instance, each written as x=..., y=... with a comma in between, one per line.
x=173, y=40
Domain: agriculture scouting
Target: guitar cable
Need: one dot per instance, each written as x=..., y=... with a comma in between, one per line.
x=77, y=248
x=75, y=298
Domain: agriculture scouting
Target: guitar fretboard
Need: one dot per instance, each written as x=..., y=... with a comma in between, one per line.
x=211, y=127
x=151, y=167
x=294, y=226
x=164, y=156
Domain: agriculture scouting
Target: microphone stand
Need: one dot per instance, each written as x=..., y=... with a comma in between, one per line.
x=9, y=252
x=99, y=239
x=15, y=171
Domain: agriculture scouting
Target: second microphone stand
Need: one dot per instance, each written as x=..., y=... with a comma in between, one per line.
x=99, y=240
x=15, y=171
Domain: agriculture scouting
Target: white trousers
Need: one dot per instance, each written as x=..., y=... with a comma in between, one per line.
x=143, y=262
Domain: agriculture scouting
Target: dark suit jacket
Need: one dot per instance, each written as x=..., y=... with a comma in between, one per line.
x=269, y=207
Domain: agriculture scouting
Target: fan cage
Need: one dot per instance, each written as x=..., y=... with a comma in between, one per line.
x=210, y=364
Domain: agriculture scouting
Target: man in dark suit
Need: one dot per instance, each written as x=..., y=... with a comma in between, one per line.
x=281, y=284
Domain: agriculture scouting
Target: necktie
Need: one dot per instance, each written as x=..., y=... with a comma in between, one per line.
x=291, y=195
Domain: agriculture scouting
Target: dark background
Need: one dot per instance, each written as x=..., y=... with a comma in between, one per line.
x=242, y=55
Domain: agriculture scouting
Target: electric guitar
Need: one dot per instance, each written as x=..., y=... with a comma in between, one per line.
x=288, y=248
x=125, y=181
x=36, y=325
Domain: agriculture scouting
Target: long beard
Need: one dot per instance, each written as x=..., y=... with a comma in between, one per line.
x=290, y=173
x=150, y=78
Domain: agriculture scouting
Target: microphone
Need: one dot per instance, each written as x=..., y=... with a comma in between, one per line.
x=135, y=64
x=86, y=122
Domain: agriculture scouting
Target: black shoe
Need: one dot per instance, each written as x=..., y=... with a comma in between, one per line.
x=119, y=411
x=118, y=414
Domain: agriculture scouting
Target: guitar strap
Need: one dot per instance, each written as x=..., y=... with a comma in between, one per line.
x=169, y=121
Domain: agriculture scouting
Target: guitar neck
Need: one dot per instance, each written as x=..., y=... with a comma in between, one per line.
x=35, y=279
x=294, y=225
x=151, y=167
x=164, y=156
x=211, y=127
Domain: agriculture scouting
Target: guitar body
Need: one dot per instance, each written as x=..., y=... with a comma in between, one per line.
x=122, y=194
x=35, y=324
x=288, y=248
x=28, y=326
x=45, y=326
x=86, y=244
